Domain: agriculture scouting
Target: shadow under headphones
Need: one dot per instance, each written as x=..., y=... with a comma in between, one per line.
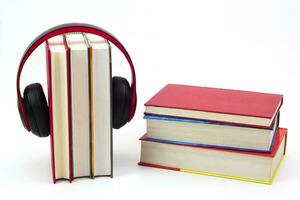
x=33, y=107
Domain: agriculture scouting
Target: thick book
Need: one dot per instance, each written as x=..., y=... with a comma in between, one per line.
x=213, y=104
x=100, y=105
x=58, y=100
x=212, y=134
x=78, y=56
x=233, y=164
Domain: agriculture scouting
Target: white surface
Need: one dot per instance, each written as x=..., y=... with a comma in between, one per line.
x=249, y=45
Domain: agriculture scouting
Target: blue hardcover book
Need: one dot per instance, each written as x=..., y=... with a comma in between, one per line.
x=193, y=132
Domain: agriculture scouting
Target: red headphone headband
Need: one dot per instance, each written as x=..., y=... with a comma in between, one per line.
x=67, y=28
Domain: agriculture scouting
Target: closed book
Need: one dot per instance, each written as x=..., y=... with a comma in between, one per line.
x=213, y=104
x=80, y=104
x=59, y=109
x=234, y=164
x=100, y=105
x=212, y=134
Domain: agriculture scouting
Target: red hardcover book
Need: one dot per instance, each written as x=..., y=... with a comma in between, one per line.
x=48, y=64
x=212, y=104
x=51, y=112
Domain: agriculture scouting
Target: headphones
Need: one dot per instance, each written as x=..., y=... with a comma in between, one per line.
x=33, y=107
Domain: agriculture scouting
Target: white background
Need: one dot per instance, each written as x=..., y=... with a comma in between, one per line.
x=248, y=45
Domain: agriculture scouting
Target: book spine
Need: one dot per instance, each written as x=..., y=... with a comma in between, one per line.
x=49, y=80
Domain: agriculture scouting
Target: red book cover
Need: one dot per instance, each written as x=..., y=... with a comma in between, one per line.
x=214, y=100
x=49, y=80
x=279, y=138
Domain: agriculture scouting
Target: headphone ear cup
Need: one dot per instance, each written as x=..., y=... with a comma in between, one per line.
x=37, y=110
x=121, y=101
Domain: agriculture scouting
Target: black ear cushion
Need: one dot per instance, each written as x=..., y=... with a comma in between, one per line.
x=37, y=110
x=121, y=101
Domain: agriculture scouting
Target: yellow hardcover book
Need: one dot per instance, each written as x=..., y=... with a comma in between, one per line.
x=101, y=106
x=232, y=164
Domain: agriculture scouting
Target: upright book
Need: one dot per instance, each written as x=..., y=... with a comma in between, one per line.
x=100, y=105
x=219, y=105
x=79, y=91
x=80, y=103
x=58, y=96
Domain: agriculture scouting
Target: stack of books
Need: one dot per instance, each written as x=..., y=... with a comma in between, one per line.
x=79, y=94
x=218, y=132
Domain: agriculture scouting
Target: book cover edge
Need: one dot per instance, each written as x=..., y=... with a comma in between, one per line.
x=49, y=77
x=268, y=182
